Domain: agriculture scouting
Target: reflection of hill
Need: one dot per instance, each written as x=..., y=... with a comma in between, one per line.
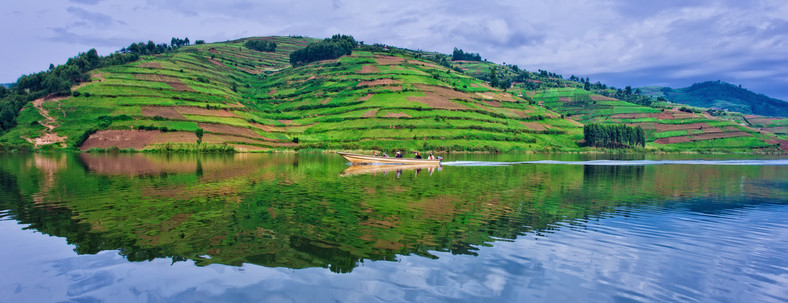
x=295, y=211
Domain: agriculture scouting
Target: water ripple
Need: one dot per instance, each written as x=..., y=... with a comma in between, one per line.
x=779, y=162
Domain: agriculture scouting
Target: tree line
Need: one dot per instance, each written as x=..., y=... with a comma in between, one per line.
x=458, y=54
x=330, y=48
x=151, y=48
x=614, y=135
x=260, y=45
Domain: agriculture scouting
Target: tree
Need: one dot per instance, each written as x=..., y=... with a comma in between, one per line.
x=330, y=48
x=199, y=132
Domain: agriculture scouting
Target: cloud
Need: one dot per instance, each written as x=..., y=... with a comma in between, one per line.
x=95, y=19
x=683, y=39
x=91, y=2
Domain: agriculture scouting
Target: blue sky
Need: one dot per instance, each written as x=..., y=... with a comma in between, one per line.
x=619, y=42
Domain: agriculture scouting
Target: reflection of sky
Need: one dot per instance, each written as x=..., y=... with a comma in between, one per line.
x=647, y=254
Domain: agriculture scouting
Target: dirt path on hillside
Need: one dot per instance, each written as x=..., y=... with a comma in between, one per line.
x=49, y=122
x=48, y=136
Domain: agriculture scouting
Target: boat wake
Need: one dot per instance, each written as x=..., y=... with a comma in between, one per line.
x=780, y=162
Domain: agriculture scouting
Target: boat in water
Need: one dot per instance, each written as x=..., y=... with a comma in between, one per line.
x=365, y=159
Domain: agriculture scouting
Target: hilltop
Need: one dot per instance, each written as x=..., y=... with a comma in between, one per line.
x=722, y=95
x=253, y=94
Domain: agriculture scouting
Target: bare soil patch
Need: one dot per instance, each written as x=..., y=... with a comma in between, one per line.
x=521, y=113
x=365, y=98
x=671, y=140
x=776, y=130
x=230, y=139
x=217, y=62
x=397, y=115
x=601, y=98
x=162, y=111
x=668, y=127
x=388, y=60
x=712, y=130
x=285, y=122
x=427, y=64
x=644, y=125
x=325, y=101
x=492, y=103
x=269, y=128
x=439, y=97
x=173, y=82
x=193, y=110
x=565, y=99
x=760, y=120
x=136, y=139
x=150, y=65
x=368, y=69
x=709, y=136
x=370, y=114
x=175, y=137
x=483, y=85
x=248, y=148
x=534, y=125
x=230, y=130
x=378, y=82
x=683, y=115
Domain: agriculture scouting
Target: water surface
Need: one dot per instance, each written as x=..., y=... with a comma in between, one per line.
x=306, y=227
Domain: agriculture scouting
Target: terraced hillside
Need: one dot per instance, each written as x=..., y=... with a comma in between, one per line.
x=227, y=96
x=237, y=97
x=669, y=127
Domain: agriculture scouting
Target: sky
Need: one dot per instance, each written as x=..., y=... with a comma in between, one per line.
x=618, y=42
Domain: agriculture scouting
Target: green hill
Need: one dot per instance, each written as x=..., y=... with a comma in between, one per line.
x=718, y=94
x=375, y=98
x=245, y=95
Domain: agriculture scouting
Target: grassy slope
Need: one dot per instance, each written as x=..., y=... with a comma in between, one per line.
x=667, y=128
x=256, y=101
x=373, y=99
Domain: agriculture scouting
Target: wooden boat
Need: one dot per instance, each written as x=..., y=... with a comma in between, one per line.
x=365, y=159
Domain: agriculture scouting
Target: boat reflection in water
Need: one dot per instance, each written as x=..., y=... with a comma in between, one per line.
x=384, y=169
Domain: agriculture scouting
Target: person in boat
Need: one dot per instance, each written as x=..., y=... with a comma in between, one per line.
x=374, y=154
x=399, y=155
x=418, y=156
x=385, y=155
x=431, y=157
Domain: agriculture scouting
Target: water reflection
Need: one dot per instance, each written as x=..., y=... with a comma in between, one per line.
x=312, y=210
x=374, y=170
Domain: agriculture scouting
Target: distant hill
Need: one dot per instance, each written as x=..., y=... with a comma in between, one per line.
x=719, y=94
x=6, y=85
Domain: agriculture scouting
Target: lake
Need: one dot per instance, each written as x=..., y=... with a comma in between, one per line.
x=310, y=228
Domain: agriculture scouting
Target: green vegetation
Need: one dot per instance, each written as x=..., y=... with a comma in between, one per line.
x=611, y=135
x=367, y=97
x=332, y=48
x=260, y=45
x=458, y=54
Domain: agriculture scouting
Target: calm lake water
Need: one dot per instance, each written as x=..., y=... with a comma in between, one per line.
x=309, y=228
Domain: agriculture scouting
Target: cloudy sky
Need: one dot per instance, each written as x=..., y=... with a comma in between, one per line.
x=619, y=42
